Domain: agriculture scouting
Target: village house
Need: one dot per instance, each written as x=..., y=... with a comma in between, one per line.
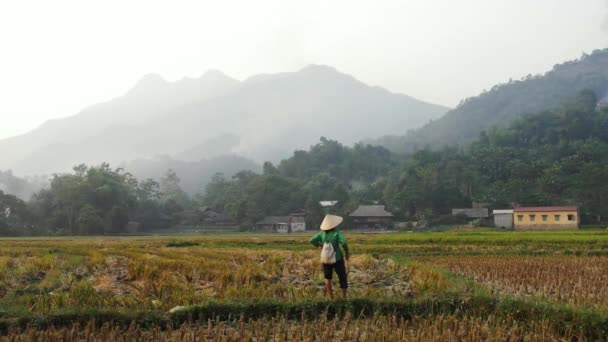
x=292, y=223
x=503, y=218
x=564, y=217
x=273, y=224
x=371, y=217
x=297, y=221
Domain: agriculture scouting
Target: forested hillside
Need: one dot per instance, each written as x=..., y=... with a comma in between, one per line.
x=102, y=200
x=554, y=157
x=550, y=158
x=328, y=171
x=505, y=103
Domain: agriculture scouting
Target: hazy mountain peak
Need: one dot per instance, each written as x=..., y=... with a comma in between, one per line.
x=507, y=102
x=319, y=68
x=150, y=83
x=311, y=70
x=213, y=81
x=264, y=117
x=152, y=78
x=322, y=73
x=214, y=74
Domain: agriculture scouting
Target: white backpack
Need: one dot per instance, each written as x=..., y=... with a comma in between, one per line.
x=328, y=254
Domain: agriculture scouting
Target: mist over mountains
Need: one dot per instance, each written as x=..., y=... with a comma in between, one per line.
x=505, y=103
x=262, y=118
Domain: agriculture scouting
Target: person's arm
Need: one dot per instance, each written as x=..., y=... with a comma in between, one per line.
x=316, y=240
x=342, y=241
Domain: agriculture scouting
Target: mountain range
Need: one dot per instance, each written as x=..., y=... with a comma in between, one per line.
x=264, y=117
x=505, y=103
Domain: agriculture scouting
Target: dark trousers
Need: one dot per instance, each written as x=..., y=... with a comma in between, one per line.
x=328, y=270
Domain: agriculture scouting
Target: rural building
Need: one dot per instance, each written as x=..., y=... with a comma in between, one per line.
x=474, y=213
x=503, y=218
x=292, y=223
x=371, y=217
x=546, y=217
x=297, y=222
x=273, y=224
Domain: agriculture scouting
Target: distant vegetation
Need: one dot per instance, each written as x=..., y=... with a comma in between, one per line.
x=194, y=175
x=553, y=157
x=505, y=103
x=550, y=158
x=102, y=200
x=328, y=171
x=21, y=187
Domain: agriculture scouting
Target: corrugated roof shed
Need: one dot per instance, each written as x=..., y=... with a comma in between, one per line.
x=371, y=211
x=502, y=211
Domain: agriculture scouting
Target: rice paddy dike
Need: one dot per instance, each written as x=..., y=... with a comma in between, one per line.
x=464, y=285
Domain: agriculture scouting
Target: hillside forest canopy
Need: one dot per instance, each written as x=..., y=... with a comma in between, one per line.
x=554, y=157
x=507, y=102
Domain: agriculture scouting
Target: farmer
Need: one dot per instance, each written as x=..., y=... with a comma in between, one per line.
x=331, y=255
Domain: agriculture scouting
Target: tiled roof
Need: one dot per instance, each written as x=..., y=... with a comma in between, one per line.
x=371, y=211
x=533, y=209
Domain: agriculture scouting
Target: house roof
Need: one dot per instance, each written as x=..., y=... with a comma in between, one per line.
x=502, y=211
x=371, y=211
x=274, y=220
x=535, y=209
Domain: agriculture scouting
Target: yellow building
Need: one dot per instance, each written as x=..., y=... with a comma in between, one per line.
x=546, y=217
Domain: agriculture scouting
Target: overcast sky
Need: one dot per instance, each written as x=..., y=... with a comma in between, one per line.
x=57, y=57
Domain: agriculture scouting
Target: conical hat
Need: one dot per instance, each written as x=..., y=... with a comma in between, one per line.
x=330, y=222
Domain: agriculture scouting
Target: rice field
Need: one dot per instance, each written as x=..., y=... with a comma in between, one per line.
x=381, y=328
x=472, y=285
x=154, y=275
x=577, y=280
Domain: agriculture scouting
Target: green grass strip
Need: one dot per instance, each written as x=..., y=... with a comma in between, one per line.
x=592, y=323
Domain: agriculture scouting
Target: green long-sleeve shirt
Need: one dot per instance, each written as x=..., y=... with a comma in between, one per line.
x=335, y=237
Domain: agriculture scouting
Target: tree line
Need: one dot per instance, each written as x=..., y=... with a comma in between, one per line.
x=94, y=200
x=555, y=157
